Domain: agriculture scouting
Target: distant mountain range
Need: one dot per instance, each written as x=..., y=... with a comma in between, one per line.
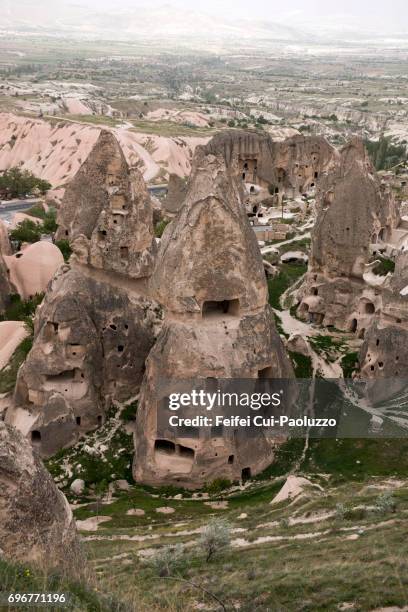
x=60, y=17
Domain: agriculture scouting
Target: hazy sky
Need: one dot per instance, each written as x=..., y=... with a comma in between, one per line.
x=380, y=15
x=370, y=13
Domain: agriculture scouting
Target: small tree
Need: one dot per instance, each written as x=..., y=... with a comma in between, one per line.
x=26, y=231
x=385, y=503
x=167, y=560
x=215, y=537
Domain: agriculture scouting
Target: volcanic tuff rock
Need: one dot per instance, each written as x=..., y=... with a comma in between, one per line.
x=210, y=279
x=209, y=252
x=354, y=211
x=176, y=193
x=5, y=288
x=95, y=327
x=91, y=342
x=36, y=523
x=106, y=214
x=31, y=269
x=292, y=166
x=384, y=352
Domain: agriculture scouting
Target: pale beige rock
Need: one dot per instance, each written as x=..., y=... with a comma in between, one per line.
x=12, y=333
x=31, y=269
x=96, y=326
x=210, y=279
x=106, y=213
x=354, y=210
x=18, y=217
x=36, y=523
x=91, y=342
x=5, y=247
x=292, y=488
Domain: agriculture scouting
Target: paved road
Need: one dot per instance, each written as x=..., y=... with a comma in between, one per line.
x=9, y=208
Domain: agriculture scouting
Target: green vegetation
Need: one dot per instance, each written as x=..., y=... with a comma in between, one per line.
x=384, y=154
x=160, y=227
x=17, y=183
x=349, y=364
x=26, y=231
x=358, y=459
x=170, y=128
x=327, y=346
x=128, y=414
x=217, y=486
x=17, y=578
x=22, y=310
x=106, y=462
x=30, y=231
x=384, y=266
x=215, y=537
x=289, y=274
x=8, y=375
x=18, y=310
x=65, y=248
x=302, y=365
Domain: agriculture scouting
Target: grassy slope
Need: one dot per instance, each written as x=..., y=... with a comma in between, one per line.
x=312, y=566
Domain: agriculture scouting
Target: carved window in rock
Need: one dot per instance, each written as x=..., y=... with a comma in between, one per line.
x=246, y=473
x=265, y=373
x=219, y=308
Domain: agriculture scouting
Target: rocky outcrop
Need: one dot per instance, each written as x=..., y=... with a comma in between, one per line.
x=106, y=214
x=354, y=211
x=36, y=523
x=210, y=280
x=383, y=353
x=176, y=192
x=56, y=151
x=291, y=166
x=209, y=252
x=5, y=288
x=31, y=269
x=5, y=249
x=96, y=326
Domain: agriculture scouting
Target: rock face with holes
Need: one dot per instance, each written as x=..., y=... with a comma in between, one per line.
x=36, y=523
x=384, y=354
x=106, y=213
x=355, y=211
x=96, y=325
x=5, y=250
x=210, y=280
x=291, y=166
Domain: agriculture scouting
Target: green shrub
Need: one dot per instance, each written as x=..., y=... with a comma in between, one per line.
x=168, y=560
x=302, y=365
x=22, y=310
x=349, y=364
x=217, y=486
x=385, y=503
x=65, y=248
x=128, y=413
x=215, y=537
x=26, y=231
x=160, y=227
x=17, y=183
x=384, y=266
x=288, y=275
